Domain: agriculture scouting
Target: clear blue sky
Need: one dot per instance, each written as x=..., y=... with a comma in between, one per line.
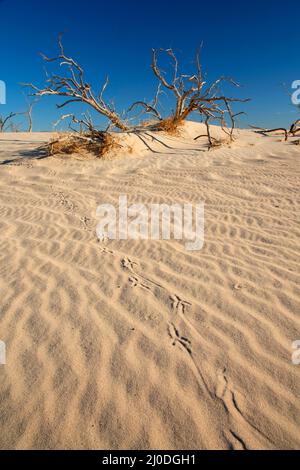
x=256, y=42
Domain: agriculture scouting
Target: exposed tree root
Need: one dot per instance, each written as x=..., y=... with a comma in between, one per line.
x=291, y=132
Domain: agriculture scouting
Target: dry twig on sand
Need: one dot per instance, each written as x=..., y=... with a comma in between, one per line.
x=292, y=131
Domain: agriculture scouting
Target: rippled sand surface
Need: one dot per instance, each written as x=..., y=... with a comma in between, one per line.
x=143, y=344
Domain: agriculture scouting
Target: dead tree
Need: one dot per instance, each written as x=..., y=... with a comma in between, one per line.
x=85, y=123
x=185, y=98
x=29, y=115
x=217, y=109
x=74, y=87
x=6, y=120
x=191, y=93
x=6, y=123
x=150, y=108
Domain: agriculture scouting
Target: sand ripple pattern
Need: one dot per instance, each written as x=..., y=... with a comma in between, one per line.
x=145, y=345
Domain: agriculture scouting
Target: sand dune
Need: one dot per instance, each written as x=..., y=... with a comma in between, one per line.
x=142, y=344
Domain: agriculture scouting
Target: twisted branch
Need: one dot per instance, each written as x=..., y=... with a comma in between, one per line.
x=75, y=89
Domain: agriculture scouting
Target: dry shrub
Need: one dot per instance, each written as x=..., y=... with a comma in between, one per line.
x=170, y=126
x=83, y=144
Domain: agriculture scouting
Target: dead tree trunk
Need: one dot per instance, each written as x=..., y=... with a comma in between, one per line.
x=29, y=115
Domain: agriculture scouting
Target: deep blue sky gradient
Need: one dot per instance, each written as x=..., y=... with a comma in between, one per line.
x=256, y=42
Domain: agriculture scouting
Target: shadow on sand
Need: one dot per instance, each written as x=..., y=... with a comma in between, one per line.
x=26, y=155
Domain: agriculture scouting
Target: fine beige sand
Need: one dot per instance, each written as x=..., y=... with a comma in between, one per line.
x=142, y=344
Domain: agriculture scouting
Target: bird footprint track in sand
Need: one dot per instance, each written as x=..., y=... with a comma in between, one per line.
x=176, y=337
x=85, y=221
x=222, y=384
x=186, y=344
x=105, y=250
x=134, y=281
x=225, y=391
x=178, y=304
x=127, y=263
x=64, y=201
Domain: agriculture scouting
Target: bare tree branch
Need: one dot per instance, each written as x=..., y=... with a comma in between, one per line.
x=5, y=120
x=192, y=93
x=75, y=89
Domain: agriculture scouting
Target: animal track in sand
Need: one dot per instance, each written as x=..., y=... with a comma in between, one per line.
x=163, y=295
x=239, y=439
x=186, y=345
x=128, y=264
x=222, y=383
x=105, y=250
x=178, y=304
x=85, y=221
x=226, y=392
x=64, y=201
x=136, y=283
x=176, y=337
